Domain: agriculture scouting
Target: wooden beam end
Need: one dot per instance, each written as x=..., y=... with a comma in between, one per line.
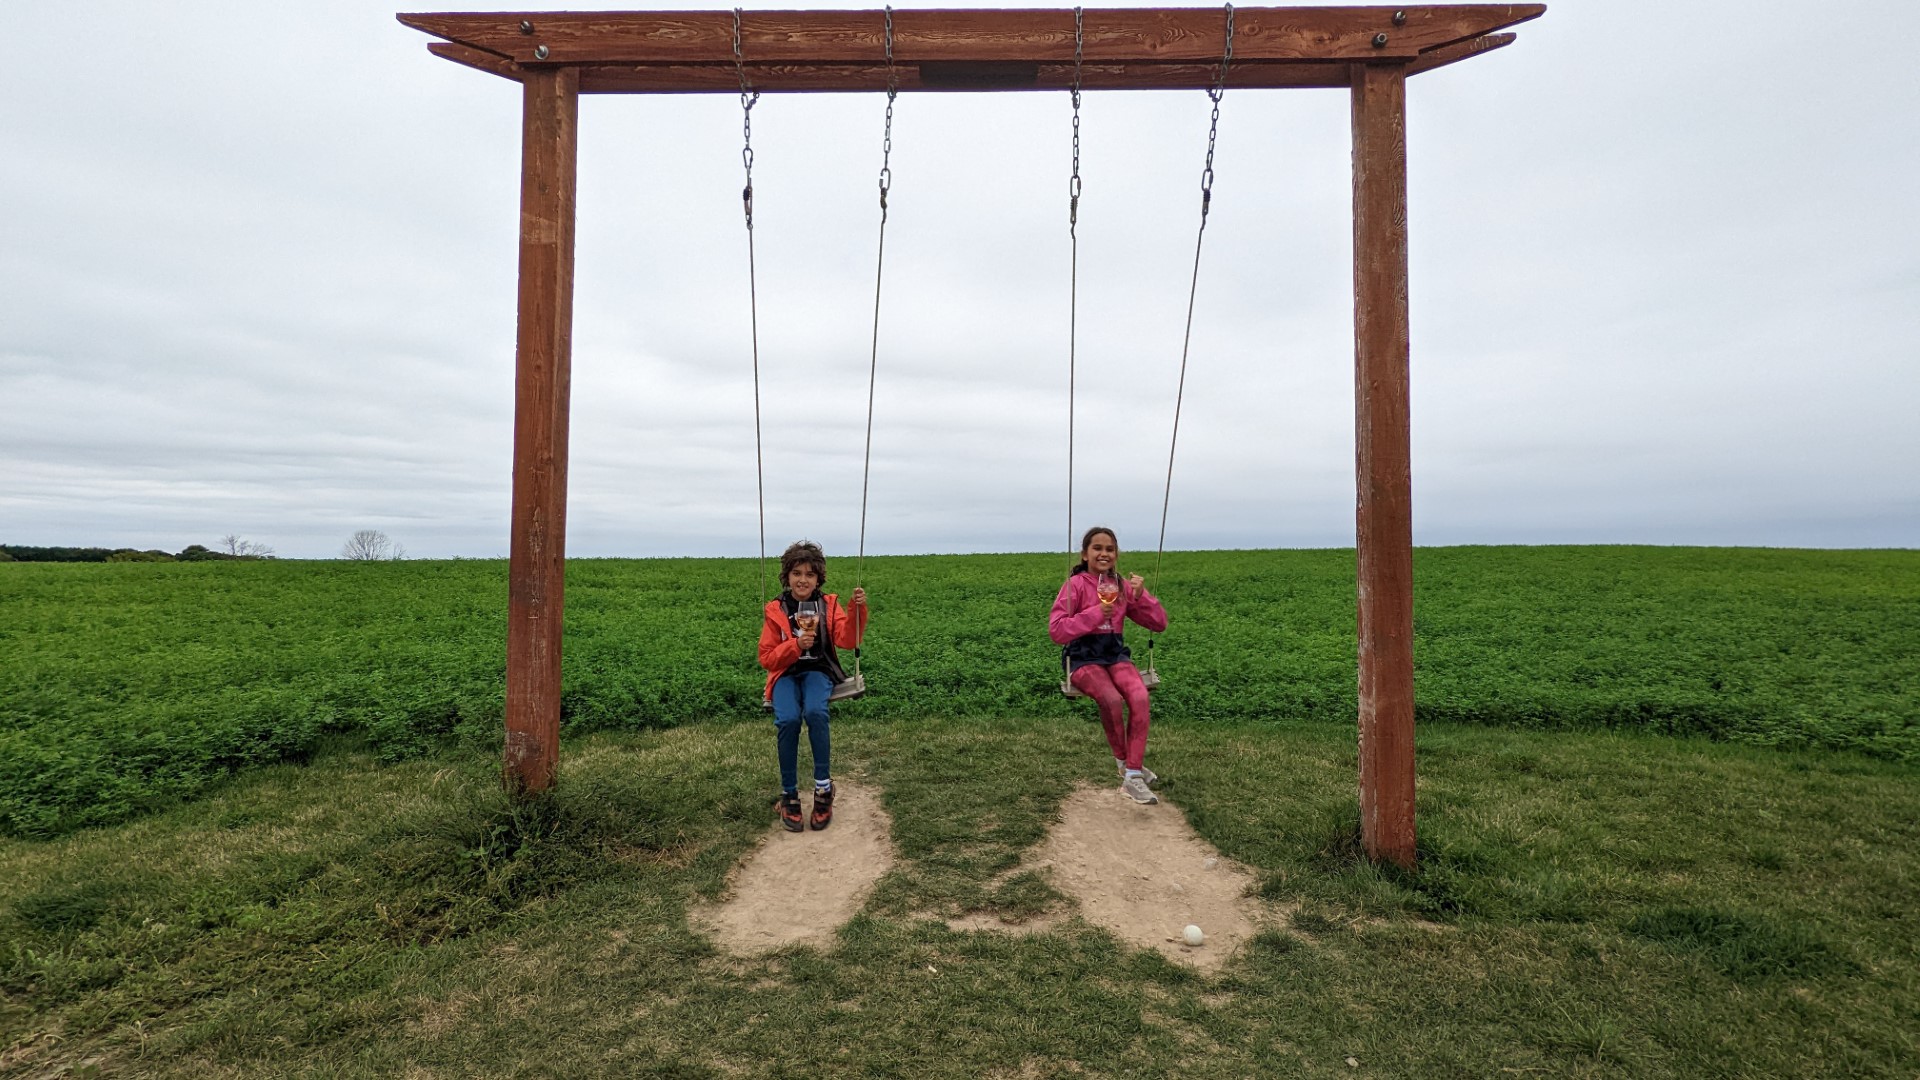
x=478, y=59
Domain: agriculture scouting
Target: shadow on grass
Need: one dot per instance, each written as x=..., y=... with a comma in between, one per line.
x=1746, y=948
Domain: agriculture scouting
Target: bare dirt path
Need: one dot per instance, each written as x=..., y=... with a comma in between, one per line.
x=1144, y=875
x=798, y=888
x=1139, y=872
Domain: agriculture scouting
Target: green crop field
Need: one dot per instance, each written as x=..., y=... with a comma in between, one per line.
x=1668, y=815
x=126, y=686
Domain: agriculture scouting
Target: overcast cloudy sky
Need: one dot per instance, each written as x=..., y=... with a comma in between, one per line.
x=257, y=276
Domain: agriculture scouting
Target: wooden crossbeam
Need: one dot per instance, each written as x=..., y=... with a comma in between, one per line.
x=941, y=76
x=1110, y=36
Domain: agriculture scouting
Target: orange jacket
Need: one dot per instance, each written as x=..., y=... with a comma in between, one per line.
x=779, y=648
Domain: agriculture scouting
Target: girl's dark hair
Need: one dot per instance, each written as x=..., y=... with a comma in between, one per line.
x=1087, y=542
x=803, y=553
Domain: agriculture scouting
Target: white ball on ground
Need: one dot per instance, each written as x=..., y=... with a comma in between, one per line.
x=1194, y=936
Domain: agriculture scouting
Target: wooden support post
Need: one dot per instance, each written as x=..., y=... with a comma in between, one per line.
x=1383, y=460
x=543, y=359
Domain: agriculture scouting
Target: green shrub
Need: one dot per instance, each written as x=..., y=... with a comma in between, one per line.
x=130, y=555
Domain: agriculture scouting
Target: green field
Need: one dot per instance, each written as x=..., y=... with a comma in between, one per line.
x=1589, y=904
x=127, y=686
x=1669, y=825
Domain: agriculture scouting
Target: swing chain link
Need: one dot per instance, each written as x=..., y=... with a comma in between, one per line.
x=1218, y=91
x=1073, y=186
x=886, y=140
x=749, y=97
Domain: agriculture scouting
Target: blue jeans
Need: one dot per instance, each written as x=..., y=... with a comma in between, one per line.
x=797, y=698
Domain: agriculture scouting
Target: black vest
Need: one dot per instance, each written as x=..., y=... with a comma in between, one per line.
x=829, y=658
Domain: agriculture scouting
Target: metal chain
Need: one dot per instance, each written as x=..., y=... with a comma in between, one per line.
x=1073, y=186
x=1218, y=91
x=749, y=98
x=1073, y=273
x=1193, y=290
x=886, y=140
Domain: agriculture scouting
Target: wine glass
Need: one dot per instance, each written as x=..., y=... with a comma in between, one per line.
x=1109, y=591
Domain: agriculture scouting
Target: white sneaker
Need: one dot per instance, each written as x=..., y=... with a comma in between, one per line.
x=1136, y=789
x=1152, y=777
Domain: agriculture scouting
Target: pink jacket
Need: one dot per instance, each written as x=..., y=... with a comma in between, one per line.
x=1076, y=611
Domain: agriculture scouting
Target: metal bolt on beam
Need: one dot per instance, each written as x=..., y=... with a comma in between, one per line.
x=540, y=51
x=1379, y=41
x=1399, y=18
x=526, y=27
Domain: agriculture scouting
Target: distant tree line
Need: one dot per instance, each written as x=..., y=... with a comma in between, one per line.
x=366, y=545
x=234, y=548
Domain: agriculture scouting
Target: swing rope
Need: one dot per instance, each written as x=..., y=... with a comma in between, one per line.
x=879, y=275
x=750, y=97
x=1073, y=314
x=1218, y=91
x=1073, y=275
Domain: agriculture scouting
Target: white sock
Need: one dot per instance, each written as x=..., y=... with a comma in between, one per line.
x=1131, y=773
x=822, y=785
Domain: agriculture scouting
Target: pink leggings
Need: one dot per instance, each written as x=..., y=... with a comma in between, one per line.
x=1110, y=686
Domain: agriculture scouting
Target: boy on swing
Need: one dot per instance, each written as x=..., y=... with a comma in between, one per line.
x=799, y=642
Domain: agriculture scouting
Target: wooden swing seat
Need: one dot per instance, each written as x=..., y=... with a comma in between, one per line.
x=1148, y=678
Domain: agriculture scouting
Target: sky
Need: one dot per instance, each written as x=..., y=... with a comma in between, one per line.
x=257, y=277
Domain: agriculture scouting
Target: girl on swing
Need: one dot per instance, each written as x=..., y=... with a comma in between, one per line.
x=1088, y=617
x=799, y=638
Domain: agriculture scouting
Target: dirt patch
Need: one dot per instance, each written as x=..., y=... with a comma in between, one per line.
x=798, y=888
x=1143, y=874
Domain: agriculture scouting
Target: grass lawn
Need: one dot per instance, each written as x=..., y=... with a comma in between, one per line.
x=1590, y=903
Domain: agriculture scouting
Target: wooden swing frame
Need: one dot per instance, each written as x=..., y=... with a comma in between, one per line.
x=1369, y=51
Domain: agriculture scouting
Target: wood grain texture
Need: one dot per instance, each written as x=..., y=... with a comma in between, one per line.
x=478, y=59
x=942, y=76
x=1164, y=35
x=1383, y=461
x=1458, y=51
x=543, y=358
x=951, y=77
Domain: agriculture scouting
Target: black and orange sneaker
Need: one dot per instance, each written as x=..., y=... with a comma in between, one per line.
x=822, y=808
x=788, y=805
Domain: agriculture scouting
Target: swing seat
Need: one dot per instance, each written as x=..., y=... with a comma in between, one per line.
x=1148, y=678
x=852, y=686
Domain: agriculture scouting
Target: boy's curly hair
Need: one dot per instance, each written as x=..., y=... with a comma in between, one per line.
x=803, y=553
